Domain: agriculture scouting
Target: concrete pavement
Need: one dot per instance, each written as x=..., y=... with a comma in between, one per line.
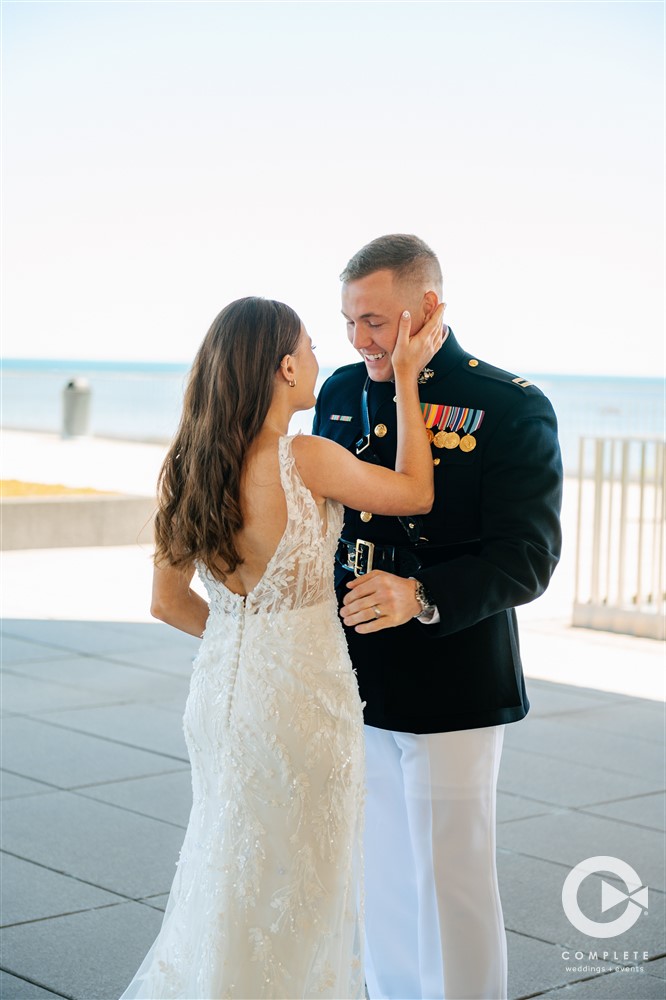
x=96, y=795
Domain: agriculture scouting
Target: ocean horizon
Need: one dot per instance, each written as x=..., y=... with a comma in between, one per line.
x=141, y=400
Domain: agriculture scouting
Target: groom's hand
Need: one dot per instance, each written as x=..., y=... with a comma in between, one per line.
x=392, y=596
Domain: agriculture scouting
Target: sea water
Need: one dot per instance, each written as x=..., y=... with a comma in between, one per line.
x=141, y=401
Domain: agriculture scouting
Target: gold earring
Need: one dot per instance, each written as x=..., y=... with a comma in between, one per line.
x=292, y=383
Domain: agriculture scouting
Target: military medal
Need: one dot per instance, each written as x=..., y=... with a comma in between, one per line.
x=439, y=439
x=431, y=436
x=472, y=423
x=451, y=440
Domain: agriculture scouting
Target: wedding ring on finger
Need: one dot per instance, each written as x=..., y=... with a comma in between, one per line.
x=377, y=610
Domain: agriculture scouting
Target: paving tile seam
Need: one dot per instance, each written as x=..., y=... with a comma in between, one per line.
x=120, y=781
x=592, y=708
x=148, y=670
x=74, y=878
x=32, y=641
x=594, y=694
x=553, y=989
x=69, y=913
x=574, y=763
x=565, y=985
x=126, y=699
x=47, y=784
x=76, y=650
x=627, y=798
x=560, y=864
x=593, y=730
x=553, y=810
x=39, y=713
x=534, y=937
x=533, y=857
x=150, y=906
x=555, y=807
x=118, y=659
x=106, y=739
x=585, y=810
x=500, y=822
x=66, y=655
x=575, y=982
x=33, y=982
x=616, y=819
x=75, y=789
x=30, y=795
x=135, y=812
x=539, y=802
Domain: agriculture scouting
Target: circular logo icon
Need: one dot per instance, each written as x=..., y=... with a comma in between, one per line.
x=636, y=897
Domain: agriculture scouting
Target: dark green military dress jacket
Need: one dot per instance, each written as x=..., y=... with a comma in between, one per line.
x=490, y=543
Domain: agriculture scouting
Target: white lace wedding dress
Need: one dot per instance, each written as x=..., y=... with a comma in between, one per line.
x=266, y=897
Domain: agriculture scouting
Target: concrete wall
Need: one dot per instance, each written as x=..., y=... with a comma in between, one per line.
x=61, y=522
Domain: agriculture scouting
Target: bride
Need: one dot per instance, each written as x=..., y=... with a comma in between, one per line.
x=266, y=897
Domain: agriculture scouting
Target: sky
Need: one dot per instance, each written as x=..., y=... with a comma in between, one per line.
x=160, y=159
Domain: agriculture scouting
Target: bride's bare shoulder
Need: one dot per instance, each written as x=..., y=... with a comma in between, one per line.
x=306, y=447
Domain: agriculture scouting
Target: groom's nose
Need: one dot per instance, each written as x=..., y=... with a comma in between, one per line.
x=360, y=338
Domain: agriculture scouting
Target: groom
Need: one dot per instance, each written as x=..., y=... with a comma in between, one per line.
x=427, y=604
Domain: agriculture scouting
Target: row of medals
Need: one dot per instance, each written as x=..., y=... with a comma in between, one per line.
x=442, y=439
x=451, y=439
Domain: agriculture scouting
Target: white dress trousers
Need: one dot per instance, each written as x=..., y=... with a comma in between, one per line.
x=433, y=917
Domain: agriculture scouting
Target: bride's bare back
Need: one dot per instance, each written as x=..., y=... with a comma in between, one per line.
x=264, y=513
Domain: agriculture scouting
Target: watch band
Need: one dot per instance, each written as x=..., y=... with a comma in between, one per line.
x=423, y=598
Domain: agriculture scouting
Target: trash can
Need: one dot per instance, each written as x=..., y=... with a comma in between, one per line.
x=76, y=408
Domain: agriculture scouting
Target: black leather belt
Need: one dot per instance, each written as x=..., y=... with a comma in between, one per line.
x=360, y=557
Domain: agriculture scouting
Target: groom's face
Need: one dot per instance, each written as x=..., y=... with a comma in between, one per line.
x=372, y=307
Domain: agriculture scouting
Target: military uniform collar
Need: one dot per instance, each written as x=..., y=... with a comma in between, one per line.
x=448, y=357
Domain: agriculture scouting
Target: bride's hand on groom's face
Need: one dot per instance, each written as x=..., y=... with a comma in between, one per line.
x=412, y=352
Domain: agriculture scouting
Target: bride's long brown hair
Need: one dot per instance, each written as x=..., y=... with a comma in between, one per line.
x=229, y=391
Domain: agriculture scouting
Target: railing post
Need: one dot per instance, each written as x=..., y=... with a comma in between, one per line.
x=609, y=537
x=596, y=525
x=623, y=524
x=579, y=522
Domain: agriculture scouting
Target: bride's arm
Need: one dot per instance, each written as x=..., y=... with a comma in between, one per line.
x=329, y=470
x=175, y=603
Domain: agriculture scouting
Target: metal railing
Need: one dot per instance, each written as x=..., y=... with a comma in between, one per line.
x=619, y=583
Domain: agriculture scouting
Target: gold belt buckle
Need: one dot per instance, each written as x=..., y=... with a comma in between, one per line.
x=370, y=547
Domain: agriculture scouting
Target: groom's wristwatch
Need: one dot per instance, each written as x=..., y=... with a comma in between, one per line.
x=427, y=604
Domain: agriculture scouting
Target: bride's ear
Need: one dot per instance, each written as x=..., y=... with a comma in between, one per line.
x=288, y=369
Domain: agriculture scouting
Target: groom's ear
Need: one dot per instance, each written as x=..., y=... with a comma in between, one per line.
x=430, y=303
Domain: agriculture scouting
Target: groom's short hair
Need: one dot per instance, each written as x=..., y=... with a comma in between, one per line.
x=407, y=256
